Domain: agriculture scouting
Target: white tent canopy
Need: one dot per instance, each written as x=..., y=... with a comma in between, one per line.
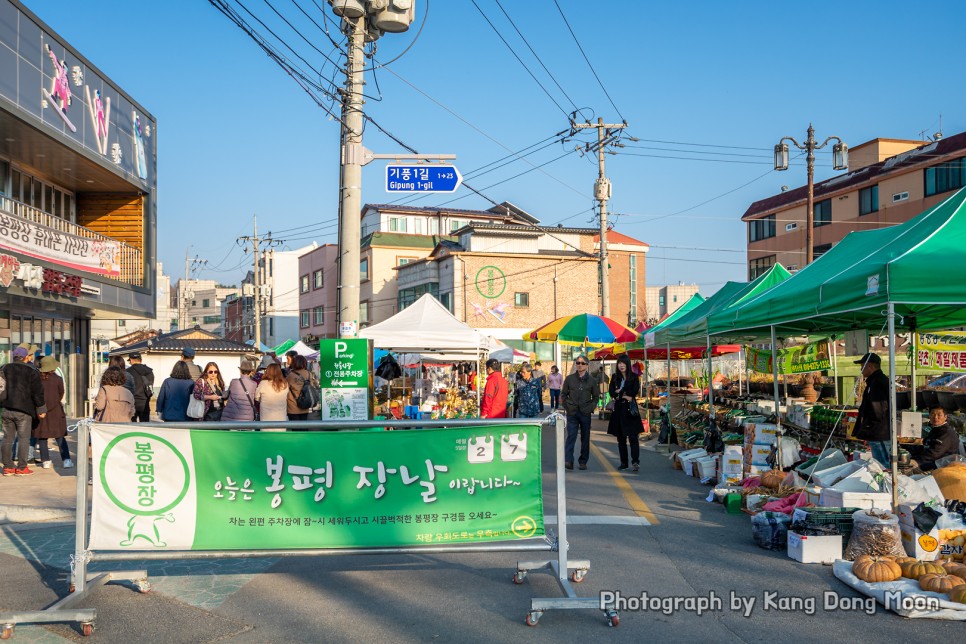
x=304, y=350
x=427, y=327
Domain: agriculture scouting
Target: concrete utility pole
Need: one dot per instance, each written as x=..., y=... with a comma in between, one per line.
x=187, y=291
x=257, y=275
x=606, y=134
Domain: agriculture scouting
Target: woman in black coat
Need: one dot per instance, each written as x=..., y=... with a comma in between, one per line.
x=625, y=420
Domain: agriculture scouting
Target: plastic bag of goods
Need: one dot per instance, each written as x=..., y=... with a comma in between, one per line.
x=952, y=480
x=875, y=532
x=770, y=530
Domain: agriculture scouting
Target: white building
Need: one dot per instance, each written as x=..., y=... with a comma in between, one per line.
x=280, y=294
x=165, y=319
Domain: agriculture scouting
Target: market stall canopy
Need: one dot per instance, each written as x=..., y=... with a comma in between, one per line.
x=427, y=327
x=915, y=265
x=510, y=355
x=282, y=348
x=647, y=338
x=691, y=329
x=583, y=329
x=660, y=353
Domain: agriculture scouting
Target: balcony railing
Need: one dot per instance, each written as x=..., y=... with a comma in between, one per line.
x=130, y=260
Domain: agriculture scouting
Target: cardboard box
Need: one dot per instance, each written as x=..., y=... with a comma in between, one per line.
x=832, y=498
x=814, y=549
x=922, y=546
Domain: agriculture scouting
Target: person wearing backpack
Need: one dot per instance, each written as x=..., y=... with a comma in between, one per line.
x=299, y=377
x=143, y=388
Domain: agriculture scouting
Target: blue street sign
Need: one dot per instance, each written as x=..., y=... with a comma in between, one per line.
x=422, y=178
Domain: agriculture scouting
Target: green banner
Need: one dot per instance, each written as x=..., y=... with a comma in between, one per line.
x=179, y=489
x=344, y=379
x=813, y=356
x=944, y=350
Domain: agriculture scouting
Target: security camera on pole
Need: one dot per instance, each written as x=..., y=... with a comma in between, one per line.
x=362, y=21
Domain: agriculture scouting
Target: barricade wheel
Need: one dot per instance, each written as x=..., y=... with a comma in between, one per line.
x=577, y=576
x=71, y=588
x=613, y=619
x=144, y=587
x=533, y=617
x=519, y=577
x=7, y=632
x=87, y=629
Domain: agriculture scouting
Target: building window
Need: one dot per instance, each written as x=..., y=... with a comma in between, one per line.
x=418, y=226
x=304, y=284
x=318, y=279
x=211, y=319
x=407, y=296
x=823, y=213
x=661, y=301
x=945, y=176
x=122, y=322
x=402, y=261
x=363, y=312
x=434, y=226
x=521, y=300
x=632, y=305
x=397, y=224
x=869, y=200
x=446, y=299
x=821, y=249
x=761, y=228
x=759, y=266
x=318, y=315
x=205, y=303
x=304, y=319
x=455, y=224
x=364, y=270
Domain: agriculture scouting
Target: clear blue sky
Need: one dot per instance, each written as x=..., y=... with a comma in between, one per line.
x=238, y=137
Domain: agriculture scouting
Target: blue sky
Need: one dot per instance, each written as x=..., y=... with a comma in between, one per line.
x=707, y=87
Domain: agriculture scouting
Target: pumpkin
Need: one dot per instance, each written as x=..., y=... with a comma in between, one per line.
x=920, y=568
x=940, y=582
x=772, y=479
x=958, y=594
x=905, y=562
x=876, y=569
x=954, y=568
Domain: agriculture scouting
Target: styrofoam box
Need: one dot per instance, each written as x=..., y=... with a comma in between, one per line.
x=814, y=549
x=687, y=462
x=813, y=493
x=913, y=544
x=832, y=498
x=707, y=467
x=731, y=460
x=759, y=454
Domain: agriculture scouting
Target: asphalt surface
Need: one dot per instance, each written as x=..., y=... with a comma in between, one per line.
x=650, y=532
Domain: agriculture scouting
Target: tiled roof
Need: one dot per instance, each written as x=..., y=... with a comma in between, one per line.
x=403, y=240
x=614, y=237
x=202, y=342
x=925, y=155
x=528, y=229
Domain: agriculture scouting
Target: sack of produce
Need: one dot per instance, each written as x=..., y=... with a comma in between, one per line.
x=770, y=530
x=875, y=533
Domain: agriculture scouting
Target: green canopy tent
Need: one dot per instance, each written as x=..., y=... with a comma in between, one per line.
x=909, y=274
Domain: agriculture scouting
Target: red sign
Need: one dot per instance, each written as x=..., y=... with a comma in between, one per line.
x=61, y=284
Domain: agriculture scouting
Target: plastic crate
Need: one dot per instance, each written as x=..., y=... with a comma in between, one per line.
x=841, y=517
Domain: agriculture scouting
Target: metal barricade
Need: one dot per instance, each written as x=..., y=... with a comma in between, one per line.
x=566, y=572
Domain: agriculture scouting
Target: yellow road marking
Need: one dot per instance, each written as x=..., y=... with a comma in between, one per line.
x=635, y=502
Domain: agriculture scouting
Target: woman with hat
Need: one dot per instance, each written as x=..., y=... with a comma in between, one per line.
x=54, y=424
x=241, y=395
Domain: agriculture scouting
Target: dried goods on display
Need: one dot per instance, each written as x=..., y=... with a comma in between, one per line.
x=876, y=569
x=875, y=532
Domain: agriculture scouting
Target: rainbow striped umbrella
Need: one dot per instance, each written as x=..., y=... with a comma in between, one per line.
x=584, y=329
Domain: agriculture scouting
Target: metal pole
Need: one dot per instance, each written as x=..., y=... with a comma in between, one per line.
x=915, y=360
x=351, y=197
x=79, y=571
x=710, y=383
x=778, y=416
x=810, y=202
x=894, y=459
x=257, y=299
x=835, y=369
x=561, y=425
x=603, y=193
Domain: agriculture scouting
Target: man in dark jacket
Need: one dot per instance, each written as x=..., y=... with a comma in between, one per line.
x=872, y=424
x=579, y=395
x=942, y=441
x=24, y=402
x=143, y=388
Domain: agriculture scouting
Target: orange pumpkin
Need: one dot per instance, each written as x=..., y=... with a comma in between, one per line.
x=876, y=569
x=905, y=562
x=940, y=582
x=955, y=568
x=772, y=479
x=920, y=568
x=958, y=594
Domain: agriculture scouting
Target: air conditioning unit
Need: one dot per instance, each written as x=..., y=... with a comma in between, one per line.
x=790, y=227
x=900, y=196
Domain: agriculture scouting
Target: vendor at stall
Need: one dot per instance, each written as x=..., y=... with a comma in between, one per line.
x=942, y=441
x=495, y=393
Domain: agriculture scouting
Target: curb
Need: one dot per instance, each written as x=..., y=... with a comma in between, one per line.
x=27, y=514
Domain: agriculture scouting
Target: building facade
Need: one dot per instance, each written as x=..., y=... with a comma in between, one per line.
x=318, y=274
x=278, y=298
x=78, y=202
x=664, y=300
x=889, y=182
x=198, y=303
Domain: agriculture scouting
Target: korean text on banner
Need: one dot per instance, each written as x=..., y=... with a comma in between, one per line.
x=176, y=489
x=945, y=350
x=813, y=356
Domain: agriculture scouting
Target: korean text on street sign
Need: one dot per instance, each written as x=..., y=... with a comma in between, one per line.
x=422, y=178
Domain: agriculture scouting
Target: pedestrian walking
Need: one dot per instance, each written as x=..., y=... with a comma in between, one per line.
x=210, y=388
x=143, y=387
x=272, y=396
x=118, y=363
x=625, y=420
x=54, y=424
x=495, y=392
x=527, y=393
x=23, y=405
x=114, y=402
x=298, y=376
x=188, y=357
x=554, y=383
x=241, y=405
x=176, y=390
x=541, y=377
x=579, y=394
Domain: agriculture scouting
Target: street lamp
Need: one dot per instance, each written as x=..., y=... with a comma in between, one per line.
x=840, y=161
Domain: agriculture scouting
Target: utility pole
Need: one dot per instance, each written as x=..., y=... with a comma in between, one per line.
x=607, y=133
x=257, y=275
x=187, y=290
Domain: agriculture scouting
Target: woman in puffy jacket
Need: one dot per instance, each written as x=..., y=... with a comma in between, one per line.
x=241, y=405
x=114, y=402
x=172, y=403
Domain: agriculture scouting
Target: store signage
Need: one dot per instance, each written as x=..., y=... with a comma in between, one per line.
x=46, y=280
x=945, y=350
x=80, y=253
x=344, y=378
x=422, y=178
x=813, y=356
x=59, y=283
x=490, y=282
x=177, y=489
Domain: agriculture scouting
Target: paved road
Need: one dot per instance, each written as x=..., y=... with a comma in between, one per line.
x=647, y=532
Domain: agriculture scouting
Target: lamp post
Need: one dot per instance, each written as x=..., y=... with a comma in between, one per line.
x=840, y=161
